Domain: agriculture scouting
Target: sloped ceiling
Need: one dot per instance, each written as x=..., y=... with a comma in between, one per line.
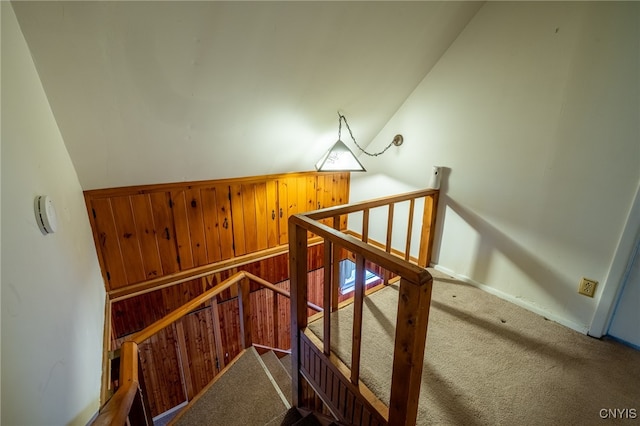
x=154, y=92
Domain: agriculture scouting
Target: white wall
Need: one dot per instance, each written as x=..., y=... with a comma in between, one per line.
x=534, y=112
x=52, y=291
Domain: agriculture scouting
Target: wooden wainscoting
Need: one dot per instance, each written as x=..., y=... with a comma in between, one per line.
x=150, y=231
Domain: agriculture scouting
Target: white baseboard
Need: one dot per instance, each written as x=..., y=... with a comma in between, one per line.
x=580, y=328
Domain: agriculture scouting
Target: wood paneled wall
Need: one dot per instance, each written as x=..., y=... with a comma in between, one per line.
x=145, y=232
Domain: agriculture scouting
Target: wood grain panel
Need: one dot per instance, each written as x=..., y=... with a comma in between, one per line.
x=310, y=194
x=128, y=239
x=179, y=294
x=200, y=348
x=286, y=203
x=238, y=219
x=163, y=219
x=230, y=327
x=181, y=225
x=252, y=237
x=147, y=235
x=211, y=224
x=160, y=366
x=108, y=244
x=224, y=218
x=324, y=195
x=272, y=213
x=196, y=226
x=262, y=216
x=131, y=315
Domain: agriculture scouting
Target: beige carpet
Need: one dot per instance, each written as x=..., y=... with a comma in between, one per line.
x=489, y=362
x=243, y=396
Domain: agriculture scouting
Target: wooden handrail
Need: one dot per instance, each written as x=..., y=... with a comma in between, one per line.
x=386, y=260
x=368, y=204
x=183, y=310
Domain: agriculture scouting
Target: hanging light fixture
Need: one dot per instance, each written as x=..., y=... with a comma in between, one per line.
x=341, y=159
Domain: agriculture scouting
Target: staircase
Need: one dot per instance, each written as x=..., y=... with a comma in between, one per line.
x=253, y=390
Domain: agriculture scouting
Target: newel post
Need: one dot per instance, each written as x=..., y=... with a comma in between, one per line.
x=298, y=290
x=408, y=355
x=428, y=229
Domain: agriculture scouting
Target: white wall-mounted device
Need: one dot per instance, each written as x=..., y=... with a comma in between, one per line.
x=434, y=179
x=45, y=214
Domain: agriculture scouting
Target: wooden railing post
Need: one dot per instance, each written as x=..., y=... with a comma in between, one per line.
x=428, y=229
x=411, y=333
x=245, y=312
x=128, y=370
x=298, y=290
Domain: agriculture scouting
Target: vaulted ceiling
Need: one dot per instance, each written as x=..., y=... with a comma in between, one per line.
x=153, y=92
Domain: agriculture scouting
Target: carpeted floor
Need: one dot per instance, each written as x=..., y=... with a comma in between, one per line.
x=490, y=362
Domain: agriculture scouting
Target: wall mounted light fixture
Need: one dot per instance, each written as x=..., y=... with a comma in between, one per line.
x=341, y=159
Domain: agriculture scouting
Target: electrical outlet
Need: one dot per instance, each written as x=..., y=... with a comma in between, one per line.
x=587, y=287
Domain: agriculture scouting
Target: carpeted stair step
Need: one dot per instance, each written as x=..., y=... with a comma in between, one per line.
x=286, y=362
x=278, y=372
x=244, y=394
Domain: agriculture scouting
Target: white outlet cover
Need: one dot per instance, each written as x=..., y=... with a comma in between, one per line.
x=45, y=214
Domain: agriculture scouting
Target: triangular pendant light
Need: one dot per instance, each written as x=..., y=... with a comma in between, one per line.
x=339, y=159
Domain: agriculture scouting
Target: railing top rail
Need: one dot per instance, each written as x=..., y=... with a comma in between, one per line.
x=408, y=271
x=183, y=310
x=368, y=204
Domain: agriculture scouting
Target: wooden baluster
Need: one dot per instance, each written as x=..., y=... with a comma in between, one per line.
x=407, y=249
x=428, y=229
x=298, y=290
x=327, y=292
x=408, y=355
x=365, y=225
x=183, y=360
x=217, y=335
x=335, y=282
x=245, y=312
x=389, y=228
x=385, y=274
x=356, y=343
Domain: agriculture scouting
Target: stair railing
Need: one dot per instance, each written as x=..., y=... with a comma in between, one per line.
x=340, y=388
x=128, y=401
